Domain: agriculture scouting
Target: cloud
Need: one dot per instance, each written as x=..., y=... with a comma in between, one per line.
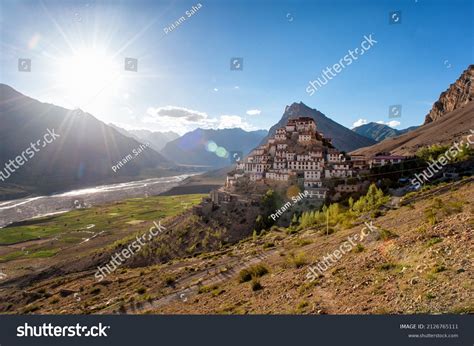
x=392, y=123
x=178, y=119
x=177, y=112
x=254, y=112
x=182, y=120
x=359, y=123
x=233, y=121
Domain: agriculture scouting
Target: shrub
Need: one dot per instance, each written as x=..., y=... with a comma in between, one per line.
x=385, y=234
x=256, y=285
x=122, y=308
x=206, y=289
x=291, y=230
x=359, y=248
x=439, y=208
x=255, y=271
x=388, y=266
x=294, y=219
x=430, y=295
x=439, y=268
x=141, y=290
x=297, y=260
x=431, y=152
x=435, y=151
x=302, y=305
x=255, y=235
x=434, y=240
x=302, y=242
x=95, y=290
x=430, y=215
x=169, y=280
x=217, y=292
x=268, y=245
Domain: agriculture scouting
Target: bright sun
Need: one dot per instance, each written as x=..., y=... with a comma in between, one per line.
x=86, y=74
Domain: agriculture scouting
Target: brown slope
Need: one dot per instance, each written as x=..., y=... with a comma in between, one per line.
x=445, y=130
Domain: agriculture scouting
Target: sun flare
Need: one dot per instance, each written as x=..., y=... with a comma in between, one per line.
x=86, y=73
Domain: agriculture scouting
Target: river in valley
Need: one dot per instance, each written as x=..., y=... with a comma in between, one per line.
x=34, y=207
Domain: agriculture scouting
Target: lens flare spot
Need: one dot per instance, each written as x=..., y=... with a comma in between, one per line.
x=221, y=152
x=34, y=40
x=211, y=146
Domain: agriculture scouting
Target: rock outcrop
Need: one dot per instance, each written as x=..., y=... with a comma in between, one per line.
x=457, y=95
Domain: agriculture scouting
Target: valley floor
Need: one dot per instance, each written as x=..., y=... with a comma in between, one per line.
x=419, y=260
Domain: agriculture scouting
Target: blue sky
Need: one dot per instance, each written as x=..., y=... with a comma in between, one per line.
x=184, y=79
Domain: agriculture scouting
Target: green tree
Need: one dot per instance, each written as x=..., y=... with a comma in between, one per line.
x=373, y=200
x=294, y=219
x=259, y=224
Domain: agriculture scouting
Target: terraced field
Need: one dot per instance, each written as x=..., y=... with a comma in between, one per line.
x=29, y=245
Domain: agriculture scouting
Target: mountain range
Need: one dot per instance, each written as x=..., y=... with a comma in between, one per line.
x=379, y=132
x=82, y=155
x=199, y=147
x=156, y=140
x=87, y=148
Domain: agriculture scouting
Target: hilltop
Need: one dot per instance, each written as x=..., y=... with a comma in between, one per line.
x=342, y=138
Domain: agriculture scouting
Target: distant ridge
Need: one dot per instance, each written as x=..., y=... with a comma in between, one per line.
x=379, y=132
x=192, y=149
x=156, y=140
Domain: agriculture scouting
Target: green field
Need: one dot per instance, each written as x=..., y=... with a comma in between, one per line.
x=20, y=254
x=109, y=218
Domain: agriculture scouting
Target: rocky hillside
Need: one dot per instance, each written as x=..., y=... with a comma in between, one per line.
x=418, y=266
x=458, y=94
x=415, y=267
x=343, y=138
